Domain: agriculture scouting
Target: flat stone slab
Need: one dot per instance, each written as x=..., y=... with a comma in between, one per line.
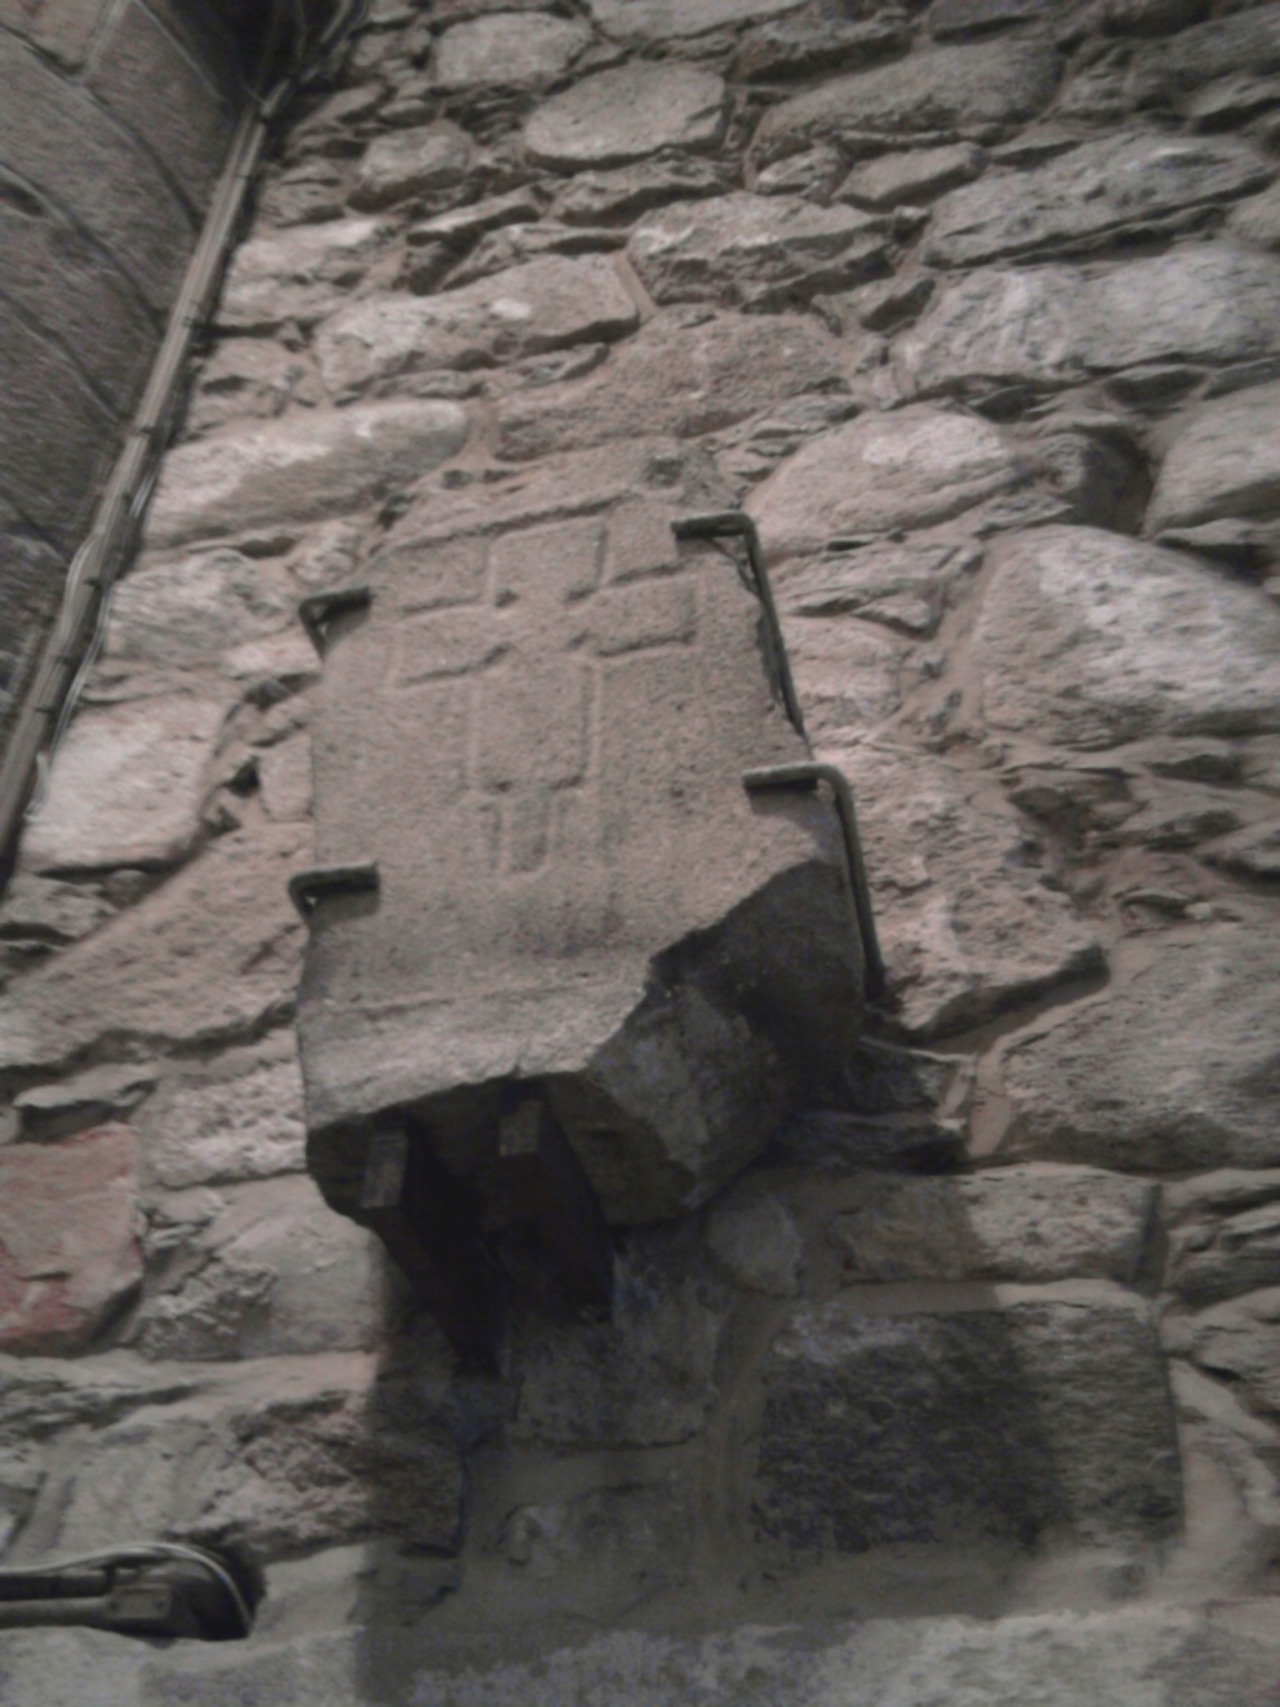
x=299, y=274
x=126, y=787
x=878, y=1424
x=626, y=114
x=421, y=162
x=682, y=374
x=909, y=468
x=1033, y=1224
x=947, y=92
x=69, y=1238
x=746, y=249
x=1088, y=639
x=304, y=468
x=543, y=305
x=1158, y=1657
x=645, y=22
x=538, y=731
x=1169, y=1071
x=1082, y=199
x=527, y=51
x=1055, y=325
x=1224, y=462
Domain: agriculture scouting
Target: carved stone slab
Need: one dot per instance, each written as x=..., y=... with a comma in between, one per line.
x=537, y=728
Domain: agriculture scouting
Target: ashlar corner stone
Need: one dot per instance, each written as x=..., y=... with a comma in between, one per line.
x=538, y=731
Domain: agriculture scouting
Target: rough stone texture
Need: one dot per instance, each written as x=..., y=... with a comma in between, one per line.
x=968, y=926
x=412, y=163
x=816, y=41
x=299, y=275
x=1084, y=198
x=876, y=1427
x=590, y=197
x=582, y=926
x=278, y=1455
x=756, y=1242
x=627, y=114
x=1066, y=605
x=191, y=609
x=1031, y=1224
x=1241, y=1340
x=909, y=468
x=649, y=22
x=543, y=305
x=682, y=374
x=239, y=1125
x=247, y=379
x=903, y=586
x=1224, y=462
x=126, y=787
x=917, y=176
x=1217, y=48
x=69, y=1251
x=525, y=50
x=967, y=91
x=1050, y=326
x=1172, y=1069
x=1258, y=219
x=271, y=1271
x=1155, y=1657
x=213, y=954
x=753, y=249
x=1225, y=1234
x=299, y=470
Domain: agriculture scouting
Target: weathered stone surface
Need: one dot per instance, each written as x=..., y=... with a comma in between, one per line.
x=602, y=1552
x=272, y=1271
x=916, y=176
x=1160, y=1657
x=508, y=48
x=1053, y=325
x=69, y=1251
x=1032, y=1224
x=1172, y=1069
x=903, y=586
x=877, y=1427
x=627, y=114
x=1128, y=183
x=244, y=1123
x=543, y=305
x=213, y=953
x=589, y=893
x=1224, y=462
x=751, y=250
x=755, y=1240
x=967, y=925
x=816, y=41
x=682, y=374
x=189, y=610
x=299, y=275
x=1224, y=1234
x=1151, y=17
x=849, y=676
x=300, y=469
x=279, y=1455
x=1258, y=219
x=1253, y=852
x=1241, y=1339
x=645, y=1379
x=516, y=244
x=908, y=468
x=412, y=163
x=249, y=379
x=963, y=20
x=970, y=92
x=590, y=198
x=126, y=787
x=645, y=22
x=1217, y=48
x=1089, y=640
x=43, y=910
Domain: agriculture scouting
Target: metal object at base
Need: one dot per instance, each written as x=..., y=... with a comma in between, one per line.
x=319, y=608
x=308, y=888
x=808, y=776
x=151, y=1589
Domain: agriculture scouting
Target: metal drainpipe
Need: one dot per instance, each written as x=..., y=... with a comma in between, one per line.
x=72, y=645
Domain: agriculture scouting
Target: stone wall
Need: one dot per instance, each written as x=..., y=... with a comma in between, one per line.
x=977, y=307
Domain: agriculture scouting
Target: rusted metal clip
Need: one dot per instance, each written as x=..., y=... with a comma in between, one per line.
x=809, y=775
x=318, y=609
x=728, y=524
x=308, y=888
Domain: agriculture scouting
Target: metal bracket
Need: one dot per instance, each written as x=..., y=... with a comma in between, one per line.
x=809, y=775
x=727, y=524
x=308, y=888
x=148, y=1589
x=318, y=609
